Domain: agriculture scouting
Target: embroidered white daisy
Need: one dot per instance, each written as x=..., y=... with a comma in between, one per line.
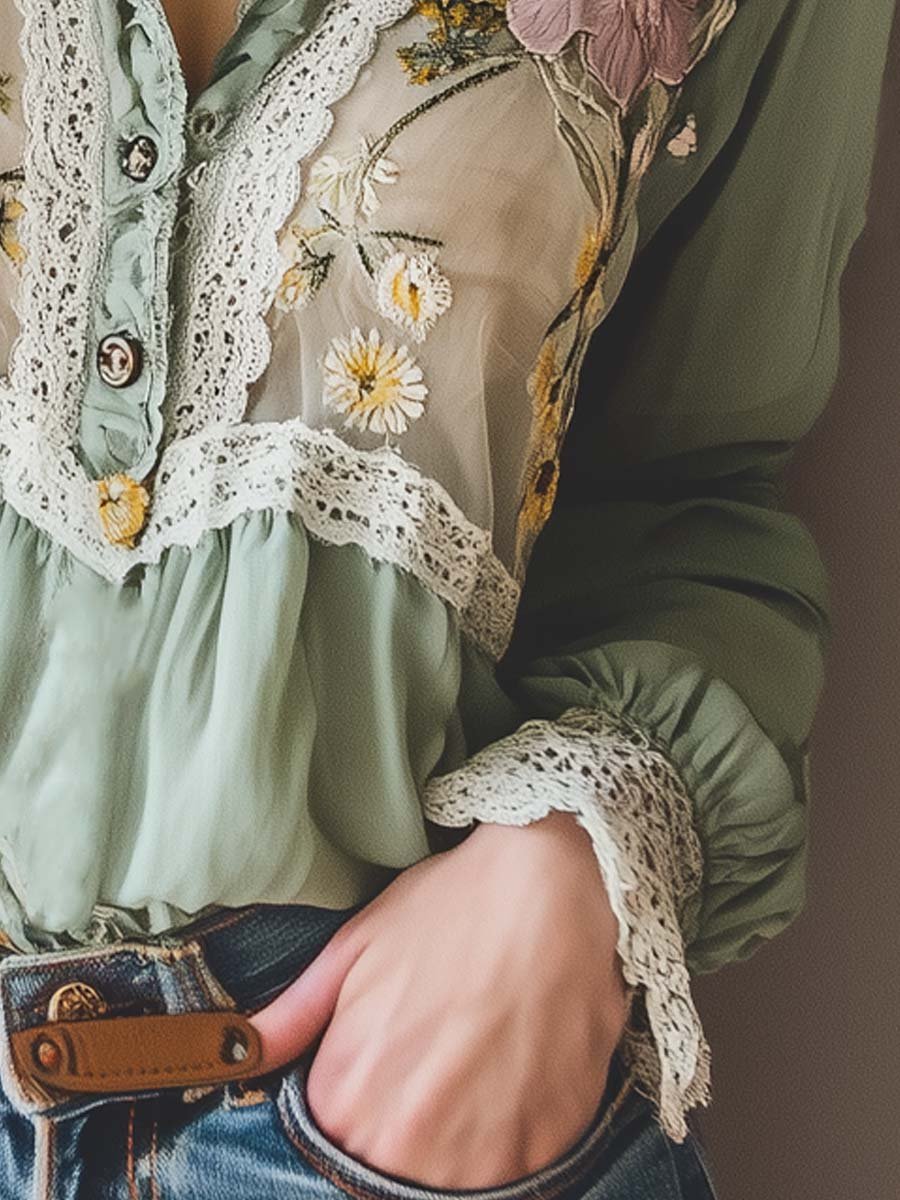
x=377, y=385
x=343, y=183
x=685, y=140
x=412, y=292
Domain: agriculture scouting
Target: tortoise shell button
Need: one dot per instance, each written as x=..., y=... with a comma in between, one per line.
x=139, y=158
x=119, y=360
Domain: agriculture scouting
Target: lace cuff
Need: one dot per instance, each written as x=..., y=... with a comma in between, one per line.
x=629, y=797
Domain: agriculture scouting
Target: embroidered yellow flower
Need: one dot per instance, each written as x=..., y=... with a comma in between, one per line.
x=685, y=140
x=591, y=245
x=123, y=508
x=460, y=34
x=412, y=292
x=377, y=385
x=542, y=468
x=11, y=209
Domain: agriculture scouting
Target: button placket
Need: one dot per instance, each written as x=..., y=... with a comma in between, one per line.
x=121, y=419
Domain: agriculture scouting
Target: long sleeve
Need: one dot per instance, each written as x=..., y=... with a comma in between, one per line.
x=669, y=650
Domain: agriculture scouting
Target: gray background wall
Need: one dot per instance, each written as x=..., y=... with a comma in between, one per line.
x=806, y=1034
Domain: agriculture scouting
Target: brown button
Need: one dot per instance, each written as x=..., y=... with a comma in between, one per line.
x=139, y=158
x=119, y=359
x=75, y=1002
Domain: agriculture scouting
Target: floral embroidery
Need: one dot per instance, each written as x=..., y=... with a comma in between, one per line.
x=378, y=386
x=461, y=34
x=306, y=268
x=626, y=42
x=349, y=183
x=542, y=470
x=591, y=246
x=6, y=82
x=412, y=292
x=11, y=210
x=685, y=140
x=123, y=508
x=408, y=288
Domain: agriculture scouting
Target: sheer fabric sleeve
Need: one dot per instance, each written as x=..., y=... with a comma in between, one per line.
x=670, y=646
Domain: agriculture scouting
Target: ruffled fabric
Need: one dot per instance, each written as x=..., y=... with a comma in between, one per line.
x=627, y=795
x=749, y=798
x=697, y=823
x=120, y=429
x=250, y=720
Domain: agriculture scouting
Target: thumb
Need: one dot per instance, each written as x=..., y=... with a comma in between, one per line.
x=290, y=1023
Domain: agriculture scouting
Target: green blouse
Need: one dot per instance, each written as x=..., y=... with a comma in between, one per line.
x=575, y=317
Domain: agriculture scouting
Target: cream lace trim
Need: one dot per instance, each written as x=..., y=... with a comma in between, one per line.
x=374, y=499
x=629, y=797
x=214, y=467
x=66, y=111
x=241, y=198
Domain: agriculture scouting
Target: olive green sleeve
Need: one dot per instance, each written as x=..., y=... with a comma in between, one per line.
x=670, y=646
x=673, y=585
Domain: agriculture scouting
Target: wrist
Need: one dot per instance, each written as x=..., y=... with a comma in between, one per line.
x=559, y=853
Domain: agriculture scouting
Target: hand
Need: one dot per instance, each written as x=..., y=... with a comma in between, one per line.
x=470, y=1010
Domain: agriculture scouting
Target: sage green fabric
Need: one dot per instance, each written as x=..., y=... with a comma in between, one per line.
x=121, y=431
x=252, y=719
x=672, y=583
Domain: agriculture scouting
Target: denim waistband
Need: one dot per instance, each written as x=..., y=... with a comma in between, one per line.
x=235, y=959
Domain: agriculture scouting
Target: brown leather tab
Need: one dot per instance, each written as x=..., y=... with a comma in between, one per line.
x=128, y=1054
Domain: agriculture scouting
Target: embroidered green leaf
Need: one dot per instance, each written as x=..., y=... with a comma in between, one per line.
x=6, y=83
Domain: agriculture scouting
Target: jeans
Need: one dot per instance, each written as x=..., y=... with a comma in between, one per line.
x=256, y=1139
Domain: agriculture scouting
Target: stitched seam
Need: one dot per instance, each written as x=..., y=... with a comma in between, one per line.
x=154, y=1184
x=129, y=1156
x=162, y=1070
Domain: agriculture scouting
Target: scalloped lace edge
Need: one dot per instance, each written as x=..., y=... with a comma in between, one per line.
x=374, y=499
x=626, y=793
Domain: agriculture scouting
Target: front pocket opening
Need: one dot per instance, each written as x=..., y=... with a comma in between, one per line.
x=363, y=1182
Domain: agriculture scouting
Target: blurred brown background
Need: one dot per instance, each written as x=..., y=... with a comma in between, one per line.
x=806, y=1034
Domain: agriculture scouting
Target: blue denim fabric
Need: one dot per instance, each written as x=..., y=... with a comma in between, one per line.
x=256, y=1140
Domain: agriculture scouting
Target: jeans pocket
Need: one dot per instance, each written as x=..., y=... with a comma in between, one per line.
x=563, y=1175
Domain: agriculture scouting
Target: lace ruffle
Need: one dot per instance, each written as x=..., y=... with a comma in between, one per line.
x=628, y=796
x=241, y=197
x=371, y=498
x=212, y=467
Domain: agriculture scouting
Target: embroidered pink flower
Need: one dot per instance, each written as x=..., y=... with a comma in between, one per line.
x=628, y=41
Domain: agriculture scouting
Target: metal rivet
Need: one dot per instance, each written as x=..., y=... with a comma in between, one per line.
x=140, y=157
x=75, y=1002
x=47, y=1054
x=234, y=1045
x=119, y=359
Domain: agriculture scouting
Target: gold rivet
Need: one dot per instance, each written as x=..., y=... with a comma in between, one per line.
x=75, y=1002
